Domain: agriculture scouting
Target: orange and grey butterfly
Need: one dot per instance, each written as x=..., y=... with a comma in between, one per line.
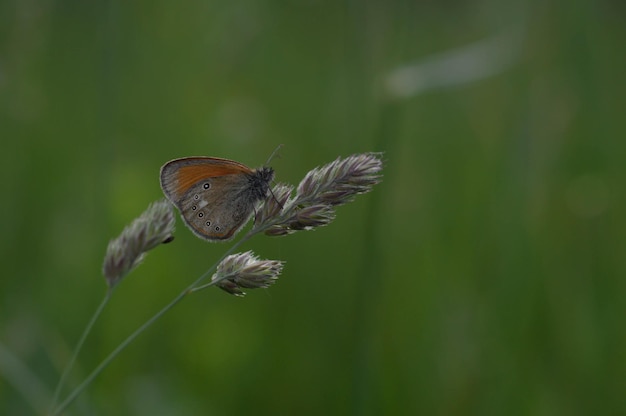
x=214, y=196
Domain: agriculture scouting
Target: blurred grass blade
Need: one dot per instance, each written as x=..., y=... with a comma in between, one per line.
x=23, y=380
x=470, y=63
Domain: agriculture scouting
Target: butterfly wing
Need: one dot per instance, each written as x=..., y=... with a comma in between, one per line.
x=178, y=175
x=210, y=194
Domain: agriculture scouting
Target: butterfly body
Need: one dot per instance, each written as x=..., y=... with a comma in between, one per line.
x=214, y=196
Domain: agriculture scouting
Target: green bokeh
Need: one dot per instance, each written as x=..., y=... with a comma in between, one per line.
x=485, y=276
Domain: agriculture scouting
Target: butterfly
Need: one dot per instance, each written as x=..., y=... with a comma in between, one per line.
x=214, y=196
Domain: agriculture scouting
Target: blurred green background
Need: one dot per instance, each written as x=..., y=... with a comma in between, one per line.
x=484, y=276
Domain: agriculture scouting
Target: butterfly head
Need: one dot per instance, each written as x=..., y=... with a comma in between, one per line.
x=260, y=182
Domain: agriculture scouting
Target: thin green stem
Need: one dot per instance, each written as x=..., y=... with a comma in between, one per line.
x=72, y=396
x=206, y=285
x=115, y=353
x=78, y=347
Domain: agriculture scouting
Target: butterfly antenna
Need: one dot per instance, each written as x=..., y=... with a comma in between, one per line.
x=269, y=159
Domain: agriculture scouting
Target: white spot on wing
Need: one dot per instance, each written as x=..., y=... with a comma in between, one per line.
x=202, y=204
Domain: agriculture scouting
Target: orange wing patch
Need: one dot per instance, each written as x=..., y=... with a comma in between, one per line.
x=197, y=169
